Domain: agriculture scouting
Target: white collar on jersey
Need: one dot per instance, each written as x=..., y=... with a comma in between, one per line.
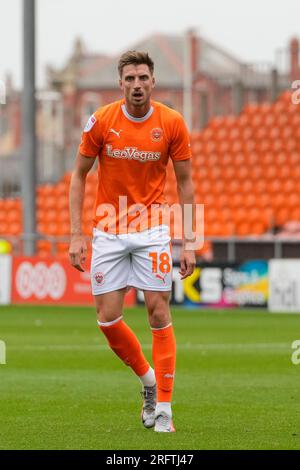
x=136, y=119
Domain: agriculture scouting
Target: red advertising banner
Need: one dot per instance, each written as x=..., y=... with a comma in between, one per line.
x=51, y=281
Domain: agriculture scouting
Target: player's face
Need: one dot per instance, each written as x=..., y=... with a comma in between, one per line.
x=137, y=84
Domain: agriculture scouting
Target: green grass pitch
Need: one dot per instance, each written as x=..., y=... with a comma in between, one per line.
x=62, y=388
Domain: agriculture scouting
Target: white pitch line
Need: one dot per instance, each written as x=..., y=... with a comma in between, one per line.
x=184, y=346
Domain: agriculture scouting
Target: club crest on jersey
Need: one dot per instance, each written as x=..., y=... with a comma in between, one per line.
x=156, y=134
x=99, y=278
x=90, y=124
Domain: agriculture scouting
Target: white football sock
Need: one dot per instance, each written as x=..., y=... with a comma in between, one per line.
x=163, y=406
x=148, y=379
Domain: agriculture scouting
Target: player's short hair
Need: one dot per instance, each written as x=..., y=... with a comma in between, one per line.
x=135, y=58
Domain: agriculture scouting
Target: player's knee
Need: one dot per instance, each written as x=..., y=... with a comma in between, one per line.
x=159, y=318
x=159, y=301
x=100, y=314
x=106, y=315
x=159, y=312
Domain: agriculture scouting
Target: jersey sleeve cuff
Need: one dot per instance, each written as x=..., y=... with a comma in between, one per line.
x=179, y=159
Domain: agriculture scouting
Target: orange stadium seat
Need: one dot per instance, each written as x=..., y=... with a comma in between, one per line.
x=233, y=186
x=197, y=148
x=223, y=147
x=288, y=186
x=62, y=189
x=247, y=186
x=279, y=107
x=212, y=160
x=44, y=248
x=234, y=134
x=223, y=200
x=4, y=227
x=260, y=133
x=63, y=229
x=13, y=215
x=246, y=133
x=278, y=200
x=237, y=146
x=250, y=200
x=53, y=228
x=270, y=172
x=253, y=159
x=229, y=173
x=216, y=173
x=217, y=122
x=270, y=122
x=42, y=228
x=256, y=173
x=243, y=121
x=50, y=216
x=63, y=215
x=258, y=228
x=287, y=132
x=295, y=214
x=242, y=172
x=14, y=228
x=282, y=215
x=243, y=229
x=225, y=215
x=207, y=134
x=221, y=134
x=209, y=200
x=209, y=147
x=63, y=203
x=292, y=200
x=282, y=119
x=262, y=199
x=62, y=249
x=274, y=187
x=256, y=120
x=49, y=202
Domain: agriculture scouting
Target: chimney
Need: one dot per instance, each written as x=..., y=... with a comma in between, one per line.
x=78, y=49
x=190, y=69
x=294, y=59
x=9, y=83
x=194, y=50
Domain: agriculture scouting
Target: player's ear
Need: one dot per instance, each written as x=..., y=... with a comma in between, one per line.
x=120, y=83
x=153, y=81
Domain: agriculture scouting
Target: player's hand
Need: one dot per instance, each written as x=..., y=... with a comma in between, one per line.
x=77, y=251
x=187, y=263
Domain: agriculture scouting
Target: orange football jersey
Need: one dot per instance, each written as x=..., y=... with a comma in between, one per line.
x=133, y=156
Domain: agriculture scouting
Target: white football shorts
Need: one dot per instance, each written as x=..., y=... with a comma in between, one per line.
x=140, y=259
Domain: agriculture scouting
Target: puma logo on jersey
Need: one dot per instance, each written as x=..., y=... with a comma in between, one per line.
x=132, y=153
x=161, y=278
x=116, y=132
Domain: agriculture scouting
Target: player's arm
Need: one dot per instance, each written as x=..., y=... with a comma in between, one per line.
x=78, y=246
x=185, y=190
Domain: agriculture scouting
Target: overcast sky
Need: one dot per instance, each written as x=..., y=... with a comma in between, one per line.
x=250, y=29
